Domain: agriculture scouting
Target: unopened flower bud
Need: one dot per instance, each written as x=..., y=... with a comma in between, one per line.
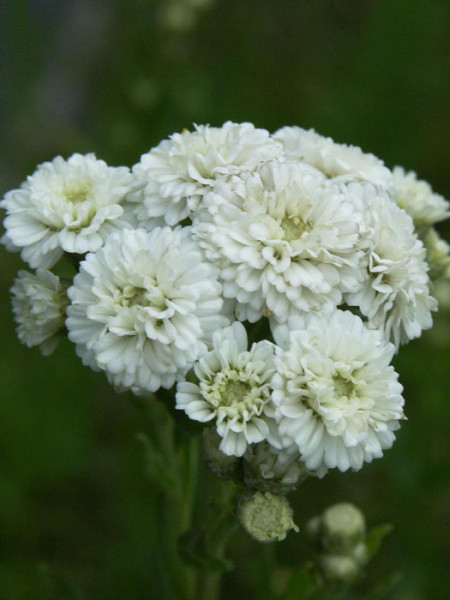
x=266, y=516
x=338, y=569
x=343, y=526
x=222, y=465
x=438, y=254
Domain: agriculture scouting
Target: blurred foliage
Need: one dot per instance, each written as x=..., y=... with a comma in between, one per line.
x=77, y=513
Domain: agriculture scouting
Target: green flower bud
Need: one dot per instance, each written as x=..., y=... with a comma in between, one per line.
x=438, y=254
x=343, y=526
x=266, y=516
x=337, y=569
x=223, y=466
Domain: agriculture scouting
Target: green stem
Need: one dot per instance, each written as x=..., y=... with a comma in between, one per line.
x=209, y=586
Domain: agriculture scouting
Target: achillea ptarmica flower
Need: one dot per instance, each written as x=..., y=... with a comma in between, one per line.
x=39, y=302
x=171, y=178
x=66, y=206
x=284, y=238
x=395, y=296
x=267, y=517
x=144, y=307
x=332, y=158
x=417, y=198
x=336, y=397
x=233, y=388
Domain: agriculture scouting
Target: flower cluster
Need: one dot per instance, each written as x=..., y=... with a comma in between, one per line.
x=269, y=277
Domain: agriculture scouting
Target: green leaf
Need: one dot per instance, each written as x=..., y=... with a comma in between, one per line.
x=157, y=468
x=384, y=590
x=375, y=537
x=301, y=585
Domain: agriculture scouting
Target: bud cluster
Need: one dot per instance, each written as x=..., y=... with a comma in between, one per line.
x=338, y=537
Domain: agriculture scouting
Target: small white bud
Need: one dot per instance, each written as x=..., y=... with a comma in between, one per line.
x=343, y=526
x=338, y=569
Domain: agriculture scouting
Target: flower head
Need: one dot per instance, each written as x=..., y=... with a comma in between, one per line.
x=337, y=399
x=395, y=294
x=284, y=238
x=144, y=307
x=39, y=302
x=331, y=158
x=417, y=198
x=66, y=206
x=171, y=178
x=233, y=388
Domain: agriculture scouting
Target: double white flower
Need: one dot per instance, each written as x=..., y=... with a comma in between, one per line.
x=171, y=179
x=39, y=302
x=233, y=388
x=331, y=158
x=66, y=206
x=144, y=307
x=395, y=294
x=337, y=399
x=284, y=238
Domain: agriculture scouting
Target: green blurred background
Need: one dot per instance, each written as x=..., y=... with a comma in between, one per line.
x=115, y=77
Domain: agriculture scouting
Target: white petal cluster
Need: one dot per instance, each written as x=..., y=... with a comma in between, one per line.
x=337, y=399
x=331, y=158
x=285, y=239
x=171, y=179
x=417, y=198
x=39, y=302
x=395, y=296
x=233, y=388
x=144, y=307
x=284, y=231
x=66, y=206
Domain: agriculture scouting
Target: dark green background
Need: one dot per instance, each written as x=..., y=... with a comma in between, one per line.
x=76, y=512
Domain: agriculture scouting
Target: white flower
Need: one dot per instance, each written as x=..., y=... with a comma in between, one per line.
x=39, y=302
x=234, y=389
x=144, y=307
x=337, y=399
x=418, y=199
x=395, y=296
x=285, y=239
x=171, y=179
x=66, y=206
x=331, y=158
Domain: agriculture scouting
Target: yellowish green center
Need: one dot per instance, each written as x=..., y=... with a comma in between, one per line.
x=139, y=296
x=76, y=195
x=294, y=227
x=234, y=392
x=343, y=386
